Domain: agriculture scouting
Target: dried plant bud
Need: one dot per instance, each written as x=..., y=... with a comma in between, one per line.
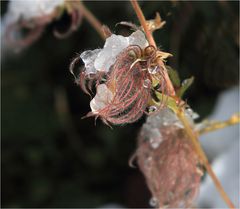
x=169, y=163
x=130, y=89
x=25, y=21
x=31, y=9
x=129, y=68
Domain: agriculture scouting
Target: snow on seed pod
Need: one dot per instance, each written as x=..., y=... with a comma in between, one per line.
x=130, y=95
x=129, y=68
x=168, y=161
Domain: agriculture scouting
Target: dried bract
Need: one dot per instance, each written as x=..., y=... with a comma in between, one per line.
x=156, y=23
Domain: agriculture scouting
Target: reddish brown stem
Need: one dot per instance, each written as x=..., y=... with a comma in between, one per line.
x=142, y=20
x=96, y=24
x=152, y=42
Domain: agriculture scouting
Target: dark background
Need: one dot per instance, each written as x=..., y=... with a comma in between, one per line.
x=53, y=158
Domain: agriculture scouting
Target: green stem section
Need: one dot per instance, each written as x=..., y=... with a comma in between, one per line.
x=213, y=126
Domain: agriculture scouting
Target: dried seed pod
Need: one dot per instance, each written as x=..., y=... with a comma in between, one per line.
x=131, y=74
x=25, y=21
x=129, y=87
x=170, y=165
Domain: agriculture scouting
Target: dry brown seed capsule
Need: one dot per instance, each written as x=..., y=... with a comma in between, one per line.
x=172, y=169
x=130, y=87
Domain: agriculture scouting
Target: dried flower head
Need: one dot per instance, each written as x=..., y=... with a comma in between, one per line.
x=168, y=161
x=33, y=16
x=128, y=67
x=130, y=87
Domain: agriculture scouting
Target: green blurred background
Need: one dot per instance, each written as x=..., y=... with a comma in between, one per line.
x=53, y=158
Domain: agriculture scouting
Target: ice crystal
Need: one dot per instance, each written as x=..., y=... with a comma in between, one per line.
x=162, y=118
x=155, y=138
x=101, y=99
x=88, y=57
x=32, y=15
x=153, y=202
x=103, y=59
x=167, y=117
x=28, y=9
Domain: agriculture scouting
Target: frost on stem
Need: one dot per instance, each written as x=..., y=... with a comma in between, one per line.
x=129, y=68
x=33, y=16
x=168, y=161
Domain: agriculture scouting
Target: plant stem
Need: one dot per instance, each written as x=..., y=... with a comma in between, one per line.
x=212, y=126
x=152, y=42
x=96, y=24
x=180, y=112
x=142, y=20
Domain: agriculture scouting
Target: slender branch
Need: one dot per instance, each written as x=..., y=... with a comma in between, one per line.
x=142, y=20
x=180, y=113
x=212, y=126
x=96, y=24
x=151, y=41
x=167, y=79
